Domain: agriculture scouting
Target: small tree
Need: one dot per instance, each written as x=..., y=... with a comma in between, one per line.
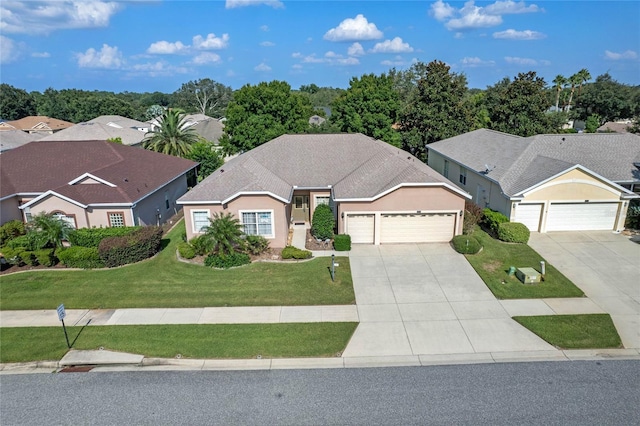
x=323, y=223
x=49, y=230
x=225, y=233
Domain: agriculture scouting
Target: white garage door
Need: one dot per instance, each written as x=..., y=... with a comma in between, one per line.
x=417, y=228
x=360, y=228
x=529, y=214
x=582, y=217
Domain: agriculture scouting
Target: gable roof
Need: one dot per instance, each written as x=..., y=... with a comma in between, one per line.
x=120, y=122
x=97, y=131
x=133, y=173
x=46, y=123
x=354, y=166
x=518, y=163
x=10, y=139
x=210, y=129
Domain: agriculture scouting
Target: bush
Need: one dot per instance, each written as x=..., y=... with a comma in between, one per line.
x=14, y=256
x=202, y=245
x=45, y=257
x=466, y=244
x=513, y=232
x=227, y=261
x=256, y=244
x=472, y=216
x=80, y=257
x=633, y=215
x=28, y=242
x=493, y=219
x=142, y=244
x=11, y=230
x=323, y=223
x=342, y=242
x=186, y=250
x=290, y=252
x=91, y=237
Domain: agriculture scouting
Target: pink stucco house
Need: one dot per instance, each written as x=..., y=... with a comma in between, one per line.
x=91, y=183
x=378, y=193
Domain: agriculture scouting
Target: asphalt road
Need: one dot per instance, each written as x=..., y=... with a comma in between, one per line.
x=549, y=393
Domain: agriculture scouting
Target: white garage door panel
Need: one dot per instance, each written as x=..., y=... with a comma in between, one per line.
x=529, y=215
x=416, y=228
x=360, y=228
x=582, y=217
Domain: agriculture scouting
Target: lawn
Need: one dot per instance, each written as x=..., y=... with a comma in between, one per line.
x=165, y=282
x=495, y=259
x=589, y=331
x=190, y=341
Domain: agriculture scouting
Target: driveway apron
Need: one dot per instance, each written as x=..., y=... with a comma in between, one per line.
x=426, y=299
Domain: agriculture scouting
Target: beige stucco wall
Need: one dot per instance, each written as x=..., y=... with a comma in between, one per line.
x=574, y=185
x=9, y=210
x=52, y=204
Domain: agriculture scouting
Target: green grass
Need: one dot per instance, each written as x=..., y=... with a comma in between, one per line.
x=164, y=282
x=592, y=331
x=191, y=341
x=493, y=262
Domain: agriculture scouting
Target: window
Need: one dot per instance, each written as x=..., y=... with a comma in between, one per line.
x=463, y=175
x=258, y=223
x=200, y=220
x=322, y=199
x=446, y=169
x=70, y=219
x=166, y=201
x=116, y=219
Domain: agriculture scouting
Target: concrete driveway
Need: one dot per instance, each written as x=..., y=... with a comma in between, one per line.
x=426, y=299
x=606, y=266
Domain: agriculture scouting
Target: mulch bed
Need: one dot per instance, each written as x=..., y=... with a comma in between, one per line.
x=312, y=244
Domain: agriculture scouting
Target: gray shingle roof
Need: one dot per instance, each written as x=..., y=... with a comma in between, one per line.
x=97, y=131
x=523, y=162
x=353, y=165
x=10, y=139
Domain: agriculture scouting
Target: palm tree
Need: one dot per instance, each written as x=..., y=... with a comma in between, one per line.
x=171, y=136
x=575, y=80
x=584, y=76
x=559, y=82
x=49, y=229
x=224, y=233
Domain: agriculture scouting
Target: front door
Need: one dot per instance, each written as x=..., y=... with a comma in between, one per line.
x=300, y=209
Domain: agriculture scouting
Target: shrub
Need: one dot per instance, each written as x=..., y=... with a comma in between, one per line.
x=256, y=244
x=633, y=215
x=80, y=257
x=342, y=242
x=27, y=242
x=323, y=223
x=466, y=244
x=227, y=261
x=186, y=250
x=45, y=257
x=11, y=230
x=493, y=219
x=513, y=232
x=202, y=245
x=140, y=245
x=290, y=252
x=91, y=237
x=472, y=216
x=14, y=256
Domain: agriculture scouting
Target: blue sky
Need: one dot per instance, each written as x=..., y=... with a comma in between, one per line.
x=148, y=45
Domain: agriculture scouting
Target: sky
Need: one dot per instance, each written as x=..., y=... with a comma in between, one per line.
x=154, y=45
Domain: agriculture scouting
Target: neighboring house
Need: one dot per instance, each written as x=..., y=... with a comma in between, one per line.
x=120, y=122
x=615, y=127
x=91, y=183
x=378, y=193
x=10, y=139
x=208, y=128
x=97, y=131
x=560, y=182
x=36, y=125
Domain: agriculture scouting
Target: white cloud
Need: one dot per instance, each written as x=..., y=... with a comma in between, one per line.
x=313, y=59
x=263, y=67
x=167, y=48
x=441, y=10
x=42, y=17
x=297, y=66
x=157, y=69
x=512, y=34
x=330, y=58
x=206, y=58
x=628, y=54
x=264, y=28
x=9, y=51
x=392, y=46
x=355, y=49
x=473, y=62
x=231, y=4
x=107, y=57
x=510, y=7
x=354, y=29
x=348, y=61
x=267, y=44
x=396, y=62
x=296, y=55
x=331, y=54
x=520, y=61
x=40, y=55
x=471, y=16
x=211, y=42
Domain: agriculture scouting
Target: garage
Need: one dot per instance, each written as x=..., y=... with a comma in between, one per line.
x=582, y=216
x=529, y=215
x=417, y=228
x=361, y=228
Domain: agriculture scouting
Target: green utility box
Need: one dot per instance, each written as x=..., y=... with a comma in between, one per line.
x=528, y=275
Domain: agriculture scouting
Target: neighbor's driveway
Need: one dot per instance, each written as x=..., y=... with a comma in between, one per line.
x=606, y=266
x=426, y=299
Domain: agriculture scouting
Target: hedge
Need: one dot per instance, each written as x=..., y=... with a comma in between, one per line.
x=466, y=244
x=91, y=237
x=227, y=261
x=80, y=257
x=513, y=232
x=323, y=223
x=10, y=230
x=493, y=219
x=14, y=255
x=342, y=242
x=186, y=250
x=27, y=242
x=290, y=252
x=142, y=244
x=45, y=257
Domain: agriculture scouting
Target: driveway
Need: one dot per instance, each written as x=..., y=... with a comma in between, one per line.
x=606, y=266
x=426, y=299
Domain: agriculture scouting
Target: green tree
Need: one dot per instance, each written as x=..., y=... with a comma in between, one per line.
x=208, y=156
x=592, y=123
x=370, y=106
x=609, y=99
x=48, y=230
x=153, y=111
x=171, y=136
x=260, y=113
x=559, y=83
x=15, y=103
x=203, y=96
x=224, y=233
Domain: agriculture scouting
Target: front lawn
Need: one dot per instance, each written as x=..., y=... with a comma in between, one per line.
x=589, y=331
x=165, y=282
x=190, y=341
x=495, y=259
